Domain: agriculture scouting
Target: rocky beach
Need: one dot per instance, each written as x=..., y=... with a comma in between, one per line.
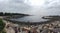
x=51, y=27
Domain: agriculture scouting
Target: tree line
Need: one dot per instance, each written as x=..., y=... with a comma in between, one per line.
x=9, y=14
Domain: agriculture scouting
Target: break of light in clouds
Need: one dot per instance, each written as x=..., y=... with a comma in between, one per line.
x=35, y=2
x=37, y=7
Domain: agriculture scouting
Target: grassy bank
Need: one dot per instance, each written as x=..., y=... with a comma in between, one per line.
x=2, y=25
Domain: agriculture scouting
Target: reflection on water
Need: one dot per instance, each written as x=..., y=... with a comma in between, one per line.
x=30, y=19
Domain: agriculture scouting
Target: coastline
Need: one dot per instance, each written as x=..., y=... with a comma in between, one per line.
x=41, y=26
x=28, y=23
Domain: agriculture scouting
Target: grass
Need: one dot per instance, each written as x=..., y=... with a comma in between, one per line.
x=2, y=25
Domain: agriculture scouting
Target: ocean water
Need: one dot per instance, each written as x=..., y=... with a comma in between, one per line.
x=37, y=17
x=30, y=19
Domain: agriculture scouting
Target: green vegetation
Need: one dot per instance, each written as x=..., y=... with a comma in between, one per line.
x=11, y=14
x=2, y=25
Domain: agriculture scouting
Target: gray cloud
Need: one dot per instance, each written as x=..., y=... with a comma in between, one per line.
x=14, y=6
x=50, y=6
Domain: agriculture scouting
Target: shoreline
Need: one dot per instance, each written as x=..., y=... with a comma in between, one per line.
x=28, y=23
x=40, y=26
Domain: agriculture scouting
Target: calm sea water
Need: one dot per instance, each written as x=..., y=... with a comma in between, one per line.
x=30, y=19
x=37, y=17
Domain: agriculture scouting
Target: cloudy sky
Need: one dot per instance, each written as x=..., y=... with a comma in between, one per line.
x=30, y=6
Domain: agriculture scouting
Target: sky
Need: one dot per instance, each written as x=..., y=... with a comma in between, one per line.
x=30, y=6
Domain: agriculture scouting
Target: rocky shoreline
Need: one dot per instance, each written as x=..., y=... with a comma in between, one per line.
x=34, y=23
x=49, y=26
x=53, y=26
